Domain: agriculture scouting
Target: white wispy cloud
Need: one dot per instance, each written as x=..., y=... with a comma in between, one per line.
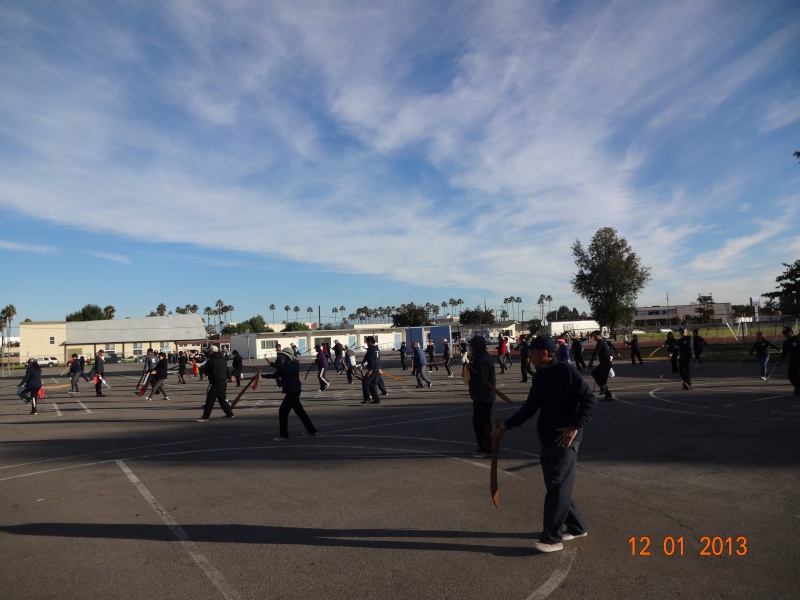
x=118, y=258
x=25, y=247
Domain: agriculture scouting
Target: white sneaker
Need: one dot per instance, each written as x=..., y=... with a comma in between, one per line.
x=280, y=439
x=611, y=373
x=148, y=399
x=763, y=378
x=542, y=547
x=567, y=536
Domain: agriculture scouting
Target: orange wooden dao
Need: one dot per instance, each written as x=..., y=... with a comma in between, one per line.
x=493, y=474
x=252, y=384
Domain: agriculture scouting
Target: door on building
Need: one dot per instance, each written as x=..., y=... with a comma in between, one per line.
x=398, y=339
x=301, y=345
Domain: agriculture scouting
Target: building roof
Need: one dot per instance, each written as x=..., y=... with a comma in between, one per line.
x=145, y=329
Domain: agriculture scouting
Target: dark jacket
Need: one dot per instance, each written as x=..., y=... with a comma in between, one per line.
x=602, y=351
x=99, y=365
x=238, y=363
x=481, y=372
x=372, y=359
x=75, y=366
x=445, y=351
x=287, y=372
x=321, y=361
x=32, y=379
x=563, y=399
x=791, y=349
x=698, y=342
x=685, y=347
x=419, y=357
x=216, y=369
x=162, y=368
x=761, y=348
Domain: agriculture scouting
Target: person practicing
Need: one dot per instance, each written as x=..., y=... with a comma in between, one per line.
x=684, y=348
x=338, y=352
x=761, y=347
x=99, y=370
x=83, y=368
x=697, y=345
x=565, y=405
x=74, y=374
x=524, y=359
x=418, y=366
x=237, y=367
x=577, y=353
x=349, y=362
x=322, y=364
x=371, y=371
x=501, y=353
x=562, y=350
x=183, y=360
x=431, y=350
x=481, y=374
x=600, y=373
x=158, y=377
x=635, y=352
x=791, y=350
x=446, y=356
x=671, y=344
x=31, y=384
x=287, y=370
x=403, y=351
x=216, y=369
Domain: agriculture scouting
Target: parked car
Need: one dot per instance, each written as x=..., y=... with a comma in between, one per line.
x=665, y=330
x=637, y=331
x=48, y=361
x=112, y=358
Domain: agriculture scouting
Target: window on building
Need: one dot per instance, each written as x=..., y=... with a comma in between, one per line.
x=137, y=349
x=110, y=348
x=267, y=344
x=52, y=340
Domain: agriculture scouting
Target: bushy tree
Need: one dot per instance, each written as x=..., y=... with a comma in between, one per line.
x=410, y=315
x=296, y=326
x=90, y=312
x=477, y=316
x=610, y=276
x=787, y=293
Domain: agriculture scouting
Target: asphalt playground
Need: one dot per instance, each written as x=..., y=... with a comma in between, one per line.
x=687, y=494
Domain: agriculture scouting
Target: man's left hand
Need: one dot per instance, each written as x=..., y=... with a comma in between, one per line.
x=567, y=435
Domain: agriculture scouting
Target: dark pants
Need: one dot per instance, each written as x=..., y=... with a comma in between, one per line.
x=600, y=374
x=323, y=383
x=447, y=366
x=684, y=368
x=181, y=375
x=482, y=424
x=349, y=374
x=337, y=364
x=634, y=355
x=369, y=386
x=291, y=402
x=217, y=392
x=794, y=379
x=697, y=354
x=381, y=386
x=420, y=373
x=501, y=362
x=579, y=364
x=403, y=361
x=525, y=368
x=98, y=387
x=560, y=510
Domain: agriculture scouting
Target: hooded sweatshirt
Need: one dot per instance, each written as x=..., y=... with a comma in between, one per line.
x=481, y=372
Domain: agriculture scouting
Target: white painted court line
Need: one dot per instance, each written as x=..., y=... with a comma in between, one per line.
x=556, y=578
x=83, y=406
x=55, y=406
x=210, y=571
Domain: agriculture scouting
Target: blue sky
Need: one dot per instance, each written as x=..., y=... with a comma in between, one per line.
x=376, y=153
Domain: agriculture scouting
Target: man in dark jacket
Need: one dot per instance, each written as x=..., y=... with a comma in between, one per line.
x=600, y=373
x=338, y=352
x=183, y=360
x=403, y=352
x=158, y=377
x=565, y=405
x=74, y=374
x=216, y=369
x=446, y=356
x=418, y=366
x=481, y=375
x=371, y=370
x=577, y=353
x=524, y=358
x=791, y=350
x=698, y=342
x=99, y=370
x=237, y=366
x=287, y=370
x=30, y=385
x=684, y=346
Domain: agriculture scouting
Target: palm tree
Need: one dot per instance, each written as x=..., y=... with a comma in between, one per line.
x=109, y=311
x=219, y=305
x=161, y=309
x=549, y=299
x=503, y=314
x=193, y=309
x=7, y=316
x=342, y=310
x=296, y=310
x=229, y=311
x=310, y=312
x=287, y=308
x=334, y=310
x=272, y=308
x=207, y=312
x=541, y=302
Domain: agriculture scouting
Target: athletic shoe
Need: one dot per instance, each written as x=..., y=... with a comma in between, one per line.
x=480, y=454
x=148, y=399
x=419, y=386
x=385, y=394
x=687, y=386
x=611, y=373
x=367, y=401
x=375, y=402
x=308, y=434
x=430, y=384
x=450, y=375
x=567, y=536
x=763, y=379
x=542, y=547
x=34, y=412
x=281, y=439
x=100, y=395
x=230, y=416
x=166, y=397
x=202, y=419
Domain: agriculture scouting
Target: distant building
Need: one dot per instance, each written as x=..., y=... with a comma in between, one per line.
x=124, y=337
x=679, y=313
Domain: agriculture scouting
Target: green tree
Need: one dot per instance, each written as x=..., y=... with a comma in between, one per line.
x=478, y=316
x=706, y=308
x=410, y=315
x=272, y=308
x=787, y=292
x=109, y=311
x=610, y=276
x=90, y=312
x=296, y=326
x=161, y=309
